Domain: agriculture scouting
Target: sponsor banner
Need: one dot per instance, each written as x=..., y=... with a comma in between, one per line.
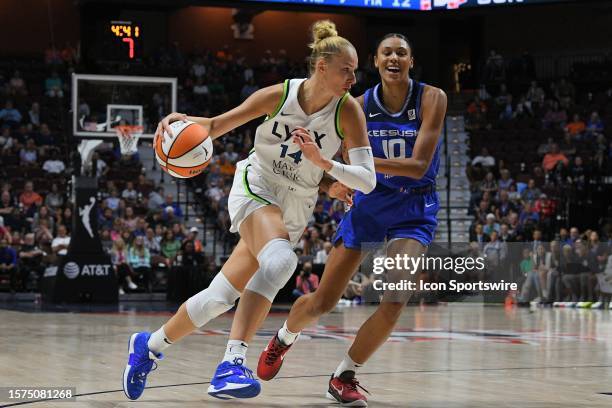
x=82, y=278
x=72, y=270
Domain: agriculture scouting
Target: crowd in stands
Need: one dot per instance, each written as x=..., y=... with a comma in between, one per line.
x=143, y=230
x=541, y=150
x=35, y=212
x=141, y=227
x=540, y=162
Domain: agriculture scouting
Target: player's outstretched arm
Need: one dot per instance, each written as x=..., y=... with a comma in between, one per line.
x=433, y=109
x=260, y=103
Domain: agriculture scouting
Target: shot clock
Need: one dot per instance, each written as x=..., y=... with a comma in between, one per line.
x=128, y=34
x=122, y=41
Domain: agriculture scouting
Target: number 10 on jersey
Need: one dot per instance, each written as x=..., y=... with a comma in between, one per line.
x=394, y=148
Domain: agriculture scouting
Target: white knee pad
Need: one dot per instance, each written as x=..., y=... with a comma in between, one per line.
x=277, y=262
x=216, y=299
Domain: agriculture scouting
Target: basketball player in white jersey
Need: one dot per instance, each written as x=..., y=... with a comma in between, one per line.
x=273, y=195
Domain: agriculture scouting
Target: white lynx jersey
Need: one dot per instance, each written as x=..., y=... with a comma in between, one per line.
x=277, y=158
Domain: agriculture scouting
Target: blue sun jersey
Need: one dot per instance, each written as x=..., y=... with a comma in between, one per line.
x=393, y=135
x=399, y=207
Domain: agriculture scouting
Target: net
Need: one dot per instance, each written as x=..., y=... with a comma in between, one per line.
x=128, y=138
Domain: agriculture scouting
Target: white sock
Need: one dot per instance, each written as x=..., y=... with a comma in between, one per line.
x=347, y=364
x=286, y=336
x=158, y=341
x=235, y=352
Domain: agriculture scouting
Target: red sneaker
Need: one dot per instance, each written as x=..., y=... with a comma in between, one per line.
x=344, y=390
x=271, y=359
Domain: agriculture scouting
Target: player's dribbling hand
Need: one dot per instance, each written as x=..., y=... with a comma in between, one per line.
x=310, y=148
x=341, y=192
x=164, y=126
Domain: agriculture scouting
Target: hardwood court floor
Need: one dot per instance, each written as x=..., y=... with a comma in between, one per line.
x=439, y=357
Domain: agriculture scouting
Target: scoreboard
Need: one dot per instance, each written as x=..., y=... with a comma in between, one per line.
x=127, y=35
x=114, y=41
x=409, y=4
x=125, y=40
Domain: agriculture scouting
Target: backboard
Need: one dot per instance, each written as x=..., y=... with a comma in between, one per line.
x=102, y=102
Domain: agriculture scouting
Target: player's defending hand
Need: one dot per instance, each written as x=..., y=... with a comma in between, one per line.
x=341, y=192
x=310, y=148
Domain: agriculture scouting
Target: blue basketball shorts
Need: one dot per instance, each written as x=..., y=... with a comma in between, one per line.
x=389, y=214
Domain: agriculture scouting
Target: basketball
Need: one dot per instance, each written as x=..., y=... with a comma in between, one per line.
x=188, y=153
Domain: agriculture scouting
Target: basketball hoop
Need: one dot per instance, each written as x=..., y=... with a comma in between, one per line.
x=128, y=138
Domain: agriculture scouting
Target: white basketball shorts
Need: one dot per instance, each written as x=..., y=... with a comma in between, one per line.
x=250, y=191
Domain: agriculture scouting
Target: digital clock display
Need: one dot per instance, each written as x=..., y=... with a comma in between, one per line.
x=409, y=4
x=127, y=37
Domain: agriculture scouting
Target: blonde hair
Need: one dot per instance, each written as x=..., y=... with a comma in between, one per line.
x=118, y=244
x=325, y=42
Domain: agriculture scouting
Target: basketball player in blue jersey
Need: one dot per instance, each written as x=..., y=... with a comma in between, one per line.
x=272, y=198
x=404, y=120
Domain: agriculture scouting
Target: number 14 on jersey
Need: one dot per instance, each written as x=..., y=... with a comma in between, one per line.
x=296, y=156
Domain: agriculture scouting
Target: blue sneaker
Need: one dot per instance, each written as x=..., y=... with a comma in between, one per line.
x=233, y=380
x=141, y=361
